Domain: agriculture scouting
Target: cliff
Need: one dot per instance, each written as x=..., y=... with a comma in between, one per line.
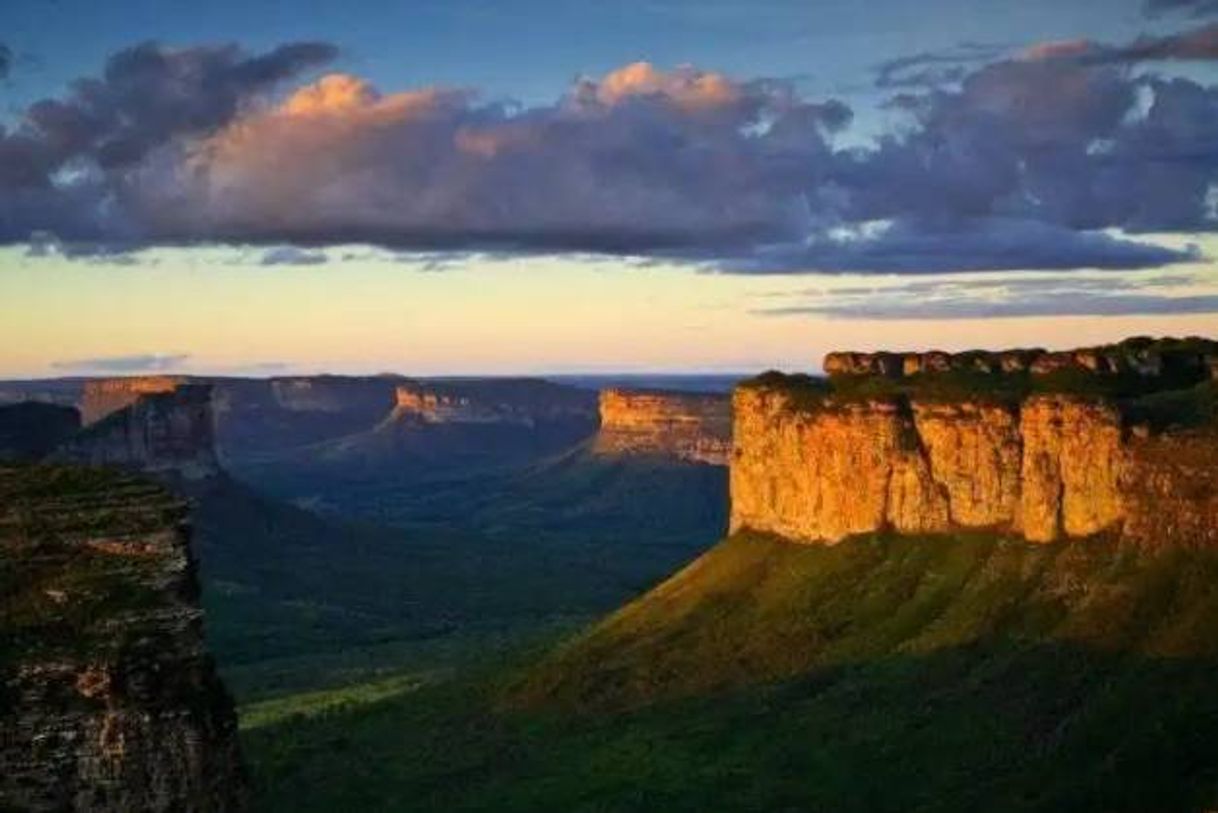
x=521, y=402
x=108, y=699
x=820, y=465
x=165, y=432
x=1139, y=357
x=103, y=396
x=335, y=394
x=691, y=427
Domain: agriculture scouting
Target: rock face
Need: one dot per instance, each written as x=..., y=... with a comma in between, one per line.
x=31, y=430
x=332, y=394
x=108, y=699
x=1137, y=357
x=1046, y=467
x=519, y=402
x=103, y=396
x=167, y=432
x=691, y=427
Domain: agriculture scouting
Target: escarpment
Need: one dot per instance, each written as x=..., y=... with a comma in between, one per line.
x=1122, y=450
x=521, y=402
x=692, y=427
x=104, y=396
x=165, y=432
x=108, y=698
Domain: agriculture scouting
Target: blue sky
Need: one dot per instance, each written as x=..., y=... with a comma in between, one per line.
x=546, y=185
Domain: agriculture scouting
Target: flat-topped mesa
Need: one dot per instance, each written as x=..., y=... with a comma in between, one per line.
x=162, y=433
x=1138, y=357
x=329, y=393
x=111, y=701
x=819, y=465
x=103, y=396
x=692, y=427
x=519, y=402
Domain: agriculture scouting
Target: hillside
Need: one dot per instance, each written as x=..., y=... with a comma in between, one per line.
x=919, y=674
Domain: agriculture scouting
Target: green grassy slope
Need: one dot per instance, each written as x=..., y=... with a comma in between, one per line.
x=930, y=674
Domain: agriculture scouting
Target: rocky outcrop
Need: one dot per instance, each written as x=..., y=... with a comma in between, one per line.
x=692, y=427
x=519, y=402
x=31, y=430
x=169, y=432
x=1048, y=466
x=104, y=396
x=1137, y=357
x=327, y=393
x=108, y=698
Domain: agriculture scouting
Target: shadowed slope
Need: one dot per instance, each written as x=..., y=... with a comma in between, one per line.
x=756, y=609
x=932, y=674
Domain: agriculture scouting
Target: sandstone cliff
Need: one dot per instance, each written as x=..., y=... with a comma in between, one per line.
x=108, y=699
x=691, y=427
x=103, y=396
x=521, y=402
x=819, y=466
x=165, y=432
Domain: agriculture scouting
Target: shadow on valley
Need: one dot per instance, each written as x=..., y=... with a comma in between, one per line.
x=947, y=673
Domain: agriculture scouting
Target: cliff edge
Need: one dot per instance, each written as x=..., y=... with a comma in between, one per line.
x=108, y=699
x=695, y=428
x=1117, y=449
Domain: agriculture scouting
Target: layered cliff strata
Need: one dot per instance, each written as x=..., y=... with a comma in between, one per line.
x=522, y=402
x=170, y=432
x=817, y=466
x=692, y=427
x=1139, y=357
x=108, y=699
x=103, y=396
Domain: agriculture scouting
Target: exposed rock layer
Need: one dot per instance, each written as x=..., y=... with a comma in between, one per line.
x=691, y=427
x=103, y=396
x=1048, y=468
x=1139, y=357
x=523, y=402
x=168, y=432
x=108, y=699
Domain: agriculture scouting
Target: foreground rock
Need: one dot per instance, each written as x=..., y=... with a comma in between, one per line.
x=695, y=428
x=108, y=699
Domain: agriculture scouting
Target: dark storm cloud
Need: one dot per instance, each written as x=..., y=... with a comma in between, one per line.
x=63, y=166
x=292, y=255
x=1039, y=160
x=998, y=298
x=151, y=362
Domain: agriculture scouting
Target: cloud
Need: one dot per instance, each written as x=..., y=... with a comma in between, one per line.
x=1003, y=298
x=67, y=165
x=930, y=69
x=291, y=255
x=982, y=244
x=1057, y=157
x=1197, y=45
x=1197, y=8
x=6, y=60
x=142, y=363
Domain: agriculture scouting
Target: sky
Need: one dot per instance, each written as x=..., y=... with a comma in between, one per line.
x=544, y=186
